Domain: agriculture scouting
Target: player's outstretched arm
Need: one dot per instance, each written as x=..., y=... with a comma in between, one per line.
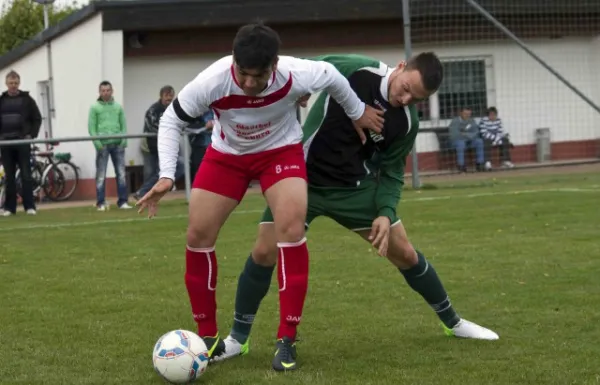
x=389, y=190
x=391, y=172
x=192, y=101
x=323, y=76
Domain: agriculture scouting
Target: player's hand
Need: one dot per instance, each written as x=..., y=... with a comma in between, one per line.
x=303, y=101
x=150, y=200
x=380, y=233
x=371, y=119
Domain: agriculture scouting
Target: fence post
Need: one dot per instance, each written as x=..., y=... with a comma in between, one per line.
x=416, y=181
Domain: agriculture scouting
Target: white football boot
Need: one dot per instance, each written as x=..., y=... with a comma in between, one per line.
x=232, y=349
x=468, y=329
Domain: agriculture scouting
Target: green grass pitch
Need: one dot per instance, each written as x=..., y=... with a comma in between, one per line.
x=84, y=295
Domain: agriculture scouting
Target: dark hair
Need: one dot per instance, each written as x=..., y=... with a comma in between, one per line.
x=430, y=68
x=105, y=83
x=256, y=46
x=492, y=109
x=166, y=90
x=13, y=75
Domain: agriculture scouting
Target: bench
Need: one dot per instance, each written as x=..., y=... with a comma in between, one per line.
x=446, y=154
x=446, y=158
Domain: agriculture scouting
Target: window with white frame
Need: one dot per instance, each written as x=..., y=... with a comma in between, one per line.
x=467, y=83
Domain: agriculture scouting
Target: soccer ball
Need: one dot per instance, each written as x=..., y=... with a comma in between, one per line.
x=180, y=357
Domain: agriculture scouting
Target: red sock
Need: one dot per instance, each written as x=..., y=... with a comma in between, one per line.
x=292, y=273
x=201, y=283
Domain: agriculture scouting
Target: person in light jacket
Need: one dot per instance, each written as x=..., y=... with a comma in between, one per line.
x=107, y=117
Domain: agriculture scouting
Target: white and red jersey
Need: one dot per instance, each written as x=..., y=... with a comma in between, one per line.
x=250, y=124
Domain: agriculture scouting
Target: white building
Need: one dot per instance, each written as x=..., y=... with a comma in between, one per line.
x=141, y=45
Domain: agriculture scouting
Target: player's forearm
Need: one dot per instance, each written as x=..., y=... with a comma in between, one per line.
x=340, y=90
x=388, y=195
x=169, y=133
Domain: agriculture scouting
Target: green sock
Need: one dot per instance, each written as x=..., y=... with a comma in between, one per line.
x=423, y=279
x=253, y=285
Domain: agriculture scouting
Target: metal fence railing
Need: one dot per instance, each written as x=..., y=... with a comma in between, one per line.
x=186, y=148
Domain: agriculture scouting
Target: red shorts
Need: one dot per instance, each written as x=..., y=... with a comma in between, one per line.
x=230, y=175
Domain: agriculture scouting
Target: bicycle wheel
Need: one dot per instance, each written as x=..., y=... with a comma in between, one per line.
x=37, y=171
x=53, y=183
x=2, y=197
x=71, y=178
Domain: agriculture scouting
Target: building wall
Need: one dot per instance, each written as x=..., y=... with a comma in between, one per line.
x=527, y=95
x=77, y=68
x=81, y=59
x=144, y=77
x=32, y=68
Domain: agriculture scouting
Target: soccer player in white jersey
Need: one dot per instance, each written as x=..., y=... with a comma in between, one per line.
x=256, y=135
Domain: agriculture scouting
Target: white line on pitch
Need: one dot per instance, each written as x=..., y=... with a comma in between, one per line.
x=498, y=193
x=244, y=212
x=108, y=221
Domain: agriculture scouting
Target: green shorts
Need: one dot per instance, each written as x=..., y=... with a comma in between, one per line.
x=353, y=208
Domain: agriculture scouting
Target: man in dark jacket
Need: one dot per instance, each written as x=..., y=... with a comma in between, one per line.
x=199, y=142
x=149, y=146
x=20, y=118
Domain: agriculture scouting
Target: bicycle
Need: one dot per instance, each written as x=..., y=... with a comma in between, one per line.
x=52, y=173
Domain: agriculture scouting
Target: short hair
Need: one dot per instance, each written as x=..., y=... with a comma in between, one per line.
x=256, y=46
x=12, y=74
x=430, y=68
x=492, y=109
x=166, y=90
x=105, y=83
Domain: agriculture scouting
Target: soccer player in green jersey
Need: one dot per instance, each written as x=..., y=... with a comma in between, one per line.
x=357, y=183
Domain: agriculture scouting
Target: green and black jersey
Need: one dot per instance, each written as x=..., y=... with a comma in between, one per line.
x=335, y=156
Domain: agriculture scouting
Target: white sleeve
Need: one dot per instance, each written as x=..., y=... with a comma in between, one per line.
x=500, y=128
x=323, y=76
x=190, y=103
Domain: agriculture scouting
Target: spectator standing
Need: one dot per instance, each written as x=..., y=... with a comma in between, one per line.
x=200, y=141
x=107, y=117
x=20, y=118
x=149, y=145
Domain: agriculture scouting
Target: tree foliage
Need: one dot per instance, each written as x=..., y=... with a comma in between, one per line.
x=20, y=20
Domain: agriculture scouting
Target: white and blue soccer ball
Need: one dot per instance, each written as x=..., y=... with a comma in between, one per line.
x=180, y=357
